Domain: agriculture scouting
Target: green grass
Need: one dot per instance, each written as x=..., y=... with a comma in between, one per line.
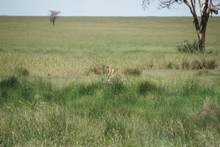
x=54, y=89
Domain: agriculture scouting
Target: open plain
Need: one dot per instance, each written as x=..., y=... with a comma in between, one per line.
x=54, y=87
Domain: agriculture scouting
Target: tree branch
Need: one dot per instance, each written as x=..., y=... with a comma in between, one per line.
x=190, y=8
x=162, y=3
x=214, y=8
x=145, y=3
x=205, y=15
x=193, y=6
x=167, y=3
x=205, y=8
x=200, y=6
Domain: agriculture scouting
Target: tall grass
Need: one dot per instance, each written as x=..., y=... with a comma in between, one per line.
x=54, y=89
x=102, y=113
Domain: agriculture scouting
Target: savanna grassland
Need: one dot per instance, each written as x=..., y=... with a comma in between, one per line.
x=54, y=89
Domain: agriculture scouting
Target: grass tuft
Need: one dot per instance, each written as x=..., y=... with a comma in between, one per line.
x=210, y=64
x=185, y=64
x=172, y=65
x=99, y=69
x=23, y=72
x=133, y=71
x=147, y=86
x=197, y=64
x=86, y=89
x=10, y=82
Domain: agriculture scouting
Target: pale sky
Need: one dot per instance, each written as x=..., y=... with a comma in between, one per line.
x=87, y=8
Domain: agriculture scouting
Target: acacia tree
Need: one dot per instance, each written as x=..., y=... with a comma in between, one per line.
x=53, y=16
x=206, y=8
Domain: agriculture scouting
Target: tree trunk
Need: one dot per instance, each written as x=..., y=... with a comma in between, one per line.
x=201, y=40
x=202, y=31
x=201, y=25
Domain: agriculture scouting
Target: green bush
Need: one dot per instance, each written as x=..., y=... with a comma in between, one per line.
x=187, y=47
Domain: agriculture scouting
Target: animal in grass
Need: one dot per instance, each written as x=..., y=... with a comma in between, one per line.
x=111, y=71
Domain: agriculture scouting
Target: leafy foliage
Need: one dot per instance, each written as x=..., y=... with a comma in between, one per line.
x=187, y=47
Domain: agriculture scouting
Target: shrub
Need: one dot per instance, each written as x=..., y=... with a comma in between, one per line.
x=187, y=47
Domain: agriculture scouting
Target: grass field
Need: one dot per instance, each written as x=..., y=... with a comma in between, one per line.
x=54, y=89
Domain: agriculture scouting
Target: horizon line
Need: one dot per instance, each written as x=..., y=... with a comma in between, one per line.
x=101, y=15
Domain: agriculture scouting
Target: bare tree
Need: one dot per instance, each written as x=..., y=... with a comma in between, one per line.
x=53, y=16
x=206, y=8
